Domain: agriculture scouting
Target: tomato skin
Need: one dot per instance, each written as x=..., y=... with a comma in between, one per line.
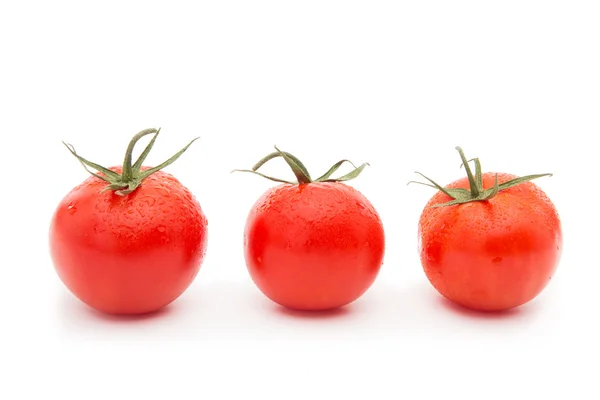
x=491, y=255
x=130, y=254
x=314, y=246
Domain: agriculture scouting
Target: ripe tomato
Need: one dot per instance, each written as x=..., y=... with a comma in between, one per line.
x=313, y=245
x=133, y=246
x=490, y=242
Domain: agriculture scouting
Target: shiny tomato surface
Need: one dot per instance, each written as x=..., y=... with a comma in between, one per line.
x=491, y=255
x=314, y=246
x=128, y=254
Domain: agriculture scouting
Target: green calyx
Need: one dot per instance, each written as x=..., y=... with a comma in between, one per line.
x=132, y=175
x=476, y=191
x=300, y=171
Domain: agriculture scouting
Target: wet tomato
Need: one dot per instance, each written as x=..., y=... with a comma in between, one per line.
x=313, y=244
x=128, y=240
x=489, y=241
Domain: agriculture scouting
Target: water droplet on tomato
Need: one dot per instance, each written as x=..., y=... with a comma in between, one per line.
x=161, y=229
x=71, y=208
x=149, y=200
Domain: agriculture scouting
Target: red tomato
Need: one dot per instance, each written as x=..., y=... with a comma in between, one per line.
x=128, y=253
x=315, y=245
x=493, y=254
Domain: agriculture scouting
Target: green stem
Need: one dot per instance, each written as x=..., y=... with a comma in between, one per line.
x=302, y=176
x=476, y=190
x=142, y=157
x=279, y=153
x=127, y=167
x=472, y=183
x=300, y=171
x=131, y=176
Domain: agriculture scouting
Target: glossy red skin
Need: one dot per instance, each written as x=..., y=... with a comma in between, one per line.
x=315, y=246
x=491, y=255
x=133, y=254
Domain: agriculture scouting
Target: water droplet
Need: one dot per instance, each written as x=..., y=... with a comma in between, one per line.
x=71, y=208
x=149, y=200
x=497, y=260
x=161, y=229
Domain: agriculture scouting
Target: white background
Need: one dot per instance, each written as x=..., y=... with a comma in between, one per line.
x=397, y=84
